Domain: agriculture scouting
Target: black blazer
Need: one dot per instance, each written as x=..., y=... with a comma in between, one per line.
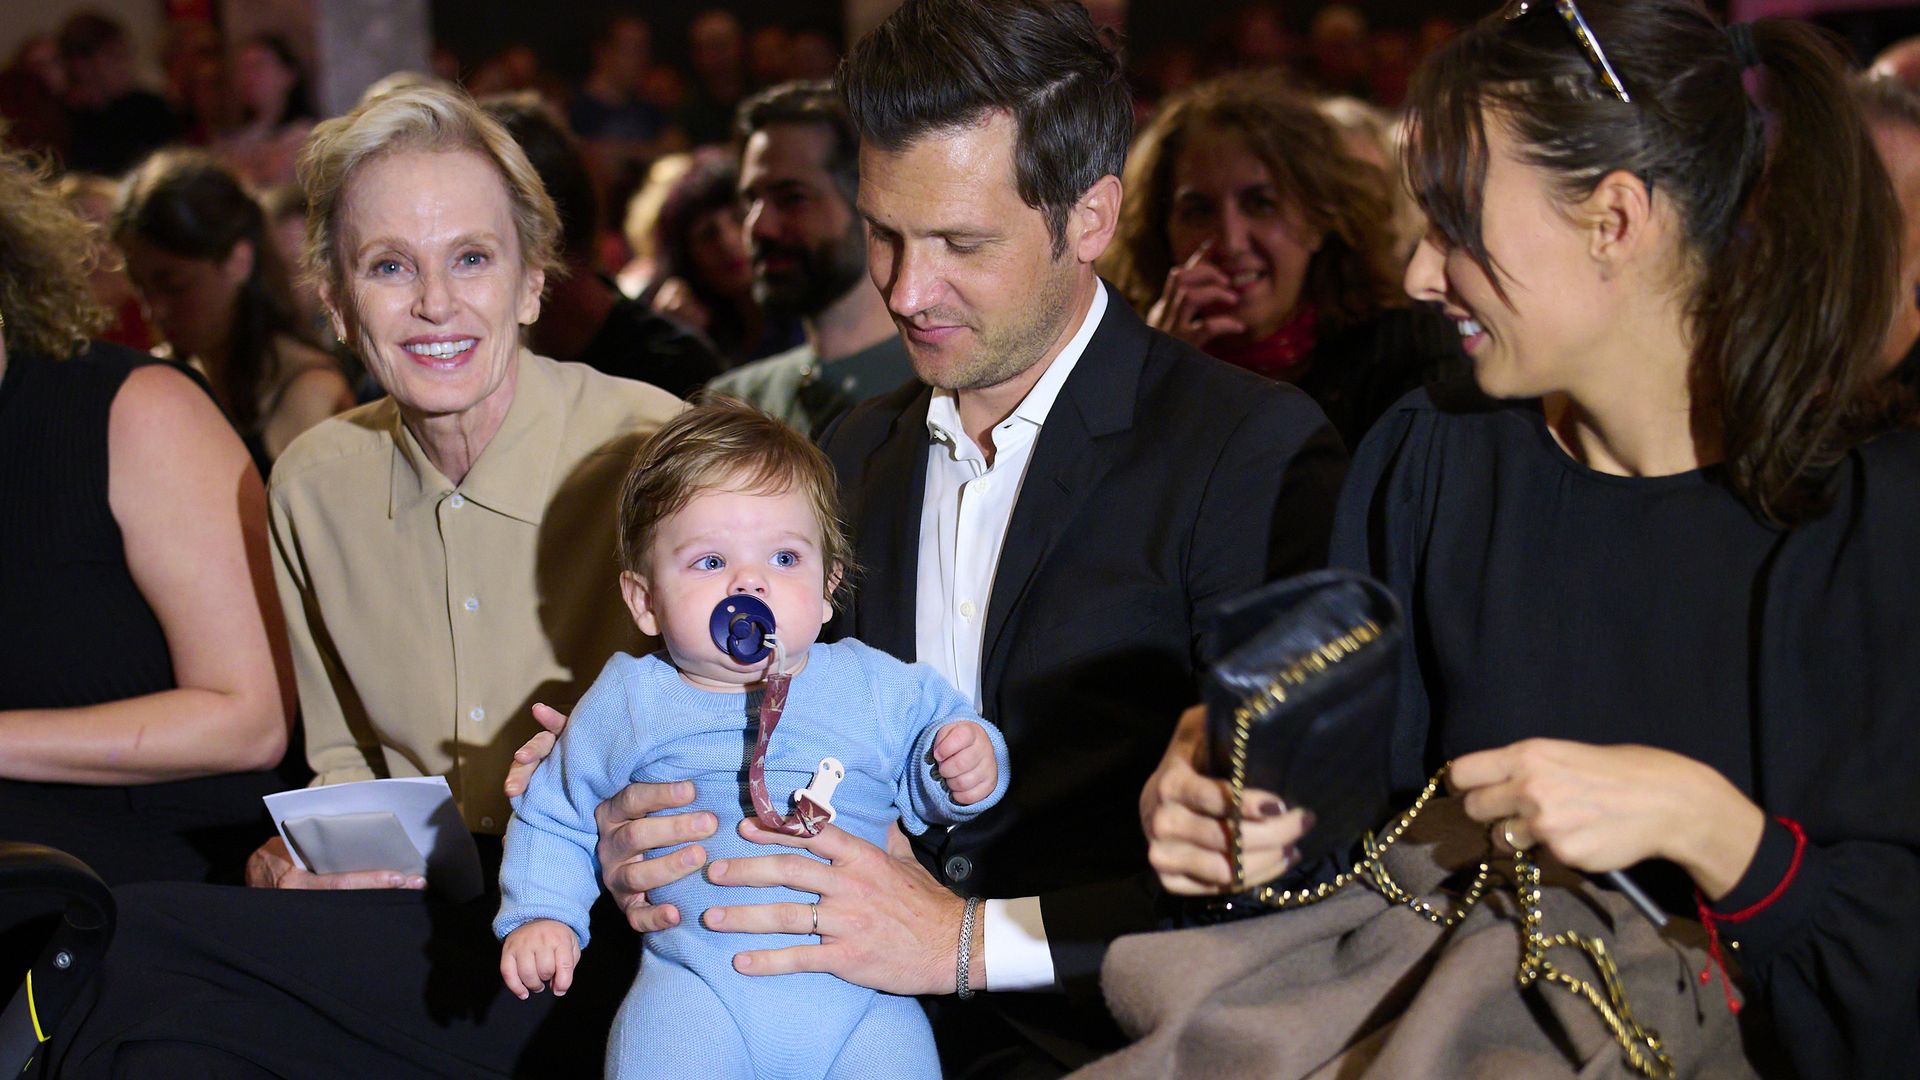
x=1162, y=482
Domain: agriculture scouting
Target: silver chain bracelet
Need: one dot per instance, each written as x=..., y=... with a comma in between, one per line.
x=966, y=950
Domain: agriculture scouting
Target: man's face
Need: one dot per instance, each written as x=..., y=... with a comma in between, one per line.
x=965, y=265
x=807, y=245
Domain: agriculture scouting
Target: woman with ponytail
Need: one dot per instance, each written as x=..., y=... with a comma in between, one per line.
x=212, y=281
x=1657, y=563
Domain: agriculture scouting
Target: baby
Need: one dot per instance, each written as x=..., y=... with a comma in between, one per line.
x=725, y=506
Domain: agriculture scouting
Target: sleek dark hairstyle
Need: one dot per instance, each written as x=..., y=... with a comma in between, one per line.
x=1345, y=200
x=808, y=102
x=710, y=183
x=557, y=157
x=1784, y=205
x=938, y=65
x=187, y=204
x=299, y=100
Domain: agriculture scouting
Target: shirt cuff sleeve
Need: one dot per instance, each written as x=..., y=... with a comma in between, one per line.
x=1018, y=957
x=1794, y=888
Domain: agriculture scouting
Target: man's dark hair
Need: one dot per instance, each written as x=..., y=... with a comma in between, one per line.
x=86, y=33
x=557, y=157
x=939, y=65
x=807, y=102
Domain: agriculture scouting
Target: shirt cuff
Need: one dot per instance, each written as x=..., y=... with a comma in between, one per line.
x=1767, y=930
x=1017, y=954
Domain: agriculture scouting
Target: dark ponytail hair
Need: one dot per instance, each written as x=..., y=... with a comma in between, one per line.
x=1785, y=207
x=187, y=204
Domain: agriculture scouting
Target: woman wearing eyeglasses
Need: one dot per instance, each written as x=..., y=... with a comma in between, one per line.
x=1657, y=567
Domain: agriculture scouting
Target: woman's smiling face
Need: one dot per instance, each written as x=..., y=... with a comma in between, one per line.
x=436, y=282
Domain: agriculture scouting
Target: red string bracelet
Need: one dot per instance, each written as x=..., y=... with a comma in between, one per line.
x=1711, y=921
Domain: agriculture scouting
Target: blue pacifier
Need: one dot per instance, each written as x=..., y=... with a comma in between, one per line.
x=740, y=625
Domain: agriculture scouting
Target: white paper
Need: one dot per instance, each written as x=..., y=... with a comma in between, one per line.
x=425, y=809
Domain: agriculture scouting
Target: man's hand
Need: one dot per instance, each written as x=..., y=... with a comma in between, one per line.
x=630, y=825
x=271, y=866
x=964, y=755
x=884, y=922
x=537, y=953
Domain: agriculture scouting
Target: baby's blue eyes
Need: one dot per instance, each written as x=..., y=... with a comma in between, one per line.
x=784, y=559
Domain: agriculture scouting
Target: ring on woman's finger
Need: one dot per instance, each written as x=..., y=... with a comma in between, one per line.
x=1506, y=833
x=815, y=928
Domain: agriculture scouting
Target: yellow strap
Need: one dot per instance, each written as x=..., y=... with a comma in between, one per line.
x=34, y=1010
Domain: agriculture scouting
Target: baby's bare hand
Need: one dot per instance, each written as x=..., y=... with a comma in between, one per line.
x=964, y=757
x=539, y=952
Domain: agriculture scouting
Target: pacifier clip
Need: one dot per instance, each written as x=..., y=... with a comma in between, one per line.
x=742, y=627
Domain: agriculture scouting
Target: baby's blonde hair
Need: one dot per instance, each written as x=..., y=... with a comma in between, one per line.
x=723, y=442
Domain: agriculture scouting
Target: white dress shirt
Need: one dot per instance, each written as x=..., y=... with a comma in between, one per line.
x=963, y=524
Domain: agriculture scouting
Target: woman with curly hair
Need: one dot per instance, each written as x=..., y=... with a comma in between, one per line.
x=199, y=250
x=1250, y=229
x=142, y=653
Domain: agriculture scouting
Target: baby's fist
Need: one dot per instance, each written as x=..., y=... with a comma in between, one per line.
x=541, y=953
x=963, y=758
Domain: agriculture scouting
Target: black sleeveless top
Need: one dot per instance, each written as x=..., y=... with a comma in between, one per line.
x=75, y=631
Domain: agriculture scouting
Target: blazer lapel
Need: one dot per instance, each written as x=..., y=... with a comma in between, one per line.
x=1076, y=447
x=889, y=534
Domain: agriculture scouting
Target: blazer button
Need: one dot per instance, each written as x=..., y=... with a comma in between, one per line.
x=958, y=868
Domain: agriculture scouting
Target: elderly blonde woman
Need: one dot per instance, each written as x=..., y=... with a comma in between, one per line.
x=440, y=555
x=144, y=683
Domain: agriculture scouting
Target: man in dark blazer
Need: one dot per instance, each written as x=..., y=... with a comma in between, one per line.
x=1152, y=482
x=1047, y=521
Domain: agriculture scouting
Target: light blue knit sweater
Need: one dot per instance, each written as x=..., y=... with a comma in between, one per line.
x=689, y=1013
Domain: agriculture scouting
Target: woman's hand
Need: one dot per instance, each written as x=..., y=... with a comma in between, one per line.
x=1185, y=817
x=1601, y=808
x=675, y=297
x=1194, y=288
x=271, y=866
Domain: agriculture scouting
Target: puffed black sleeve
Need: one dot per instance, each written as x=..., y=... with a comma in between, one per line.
x=1383, y=512
x=1832, y=947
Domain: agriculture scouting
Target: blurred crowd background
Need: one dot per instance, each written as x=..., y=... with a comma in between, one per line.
x=645, y=87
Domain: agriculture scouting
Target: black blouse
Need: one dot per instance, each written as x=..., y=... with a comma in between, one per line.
x=1547, y=599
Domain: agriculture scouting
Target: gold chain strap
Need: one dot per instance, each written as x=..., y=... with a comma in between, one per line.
x=1641, y=1045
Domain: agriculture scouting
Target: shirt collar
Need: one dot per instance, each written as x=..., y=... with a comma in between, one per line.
x=943, y=414
x=513, y=473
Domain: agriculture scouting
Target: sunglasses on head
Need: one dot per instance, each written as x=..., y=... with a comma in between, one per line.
x=1577, y=25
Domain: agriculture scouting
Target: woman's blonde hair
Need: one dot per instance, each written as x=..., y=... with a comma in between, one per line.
x=430, y=118
x=47, y=252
